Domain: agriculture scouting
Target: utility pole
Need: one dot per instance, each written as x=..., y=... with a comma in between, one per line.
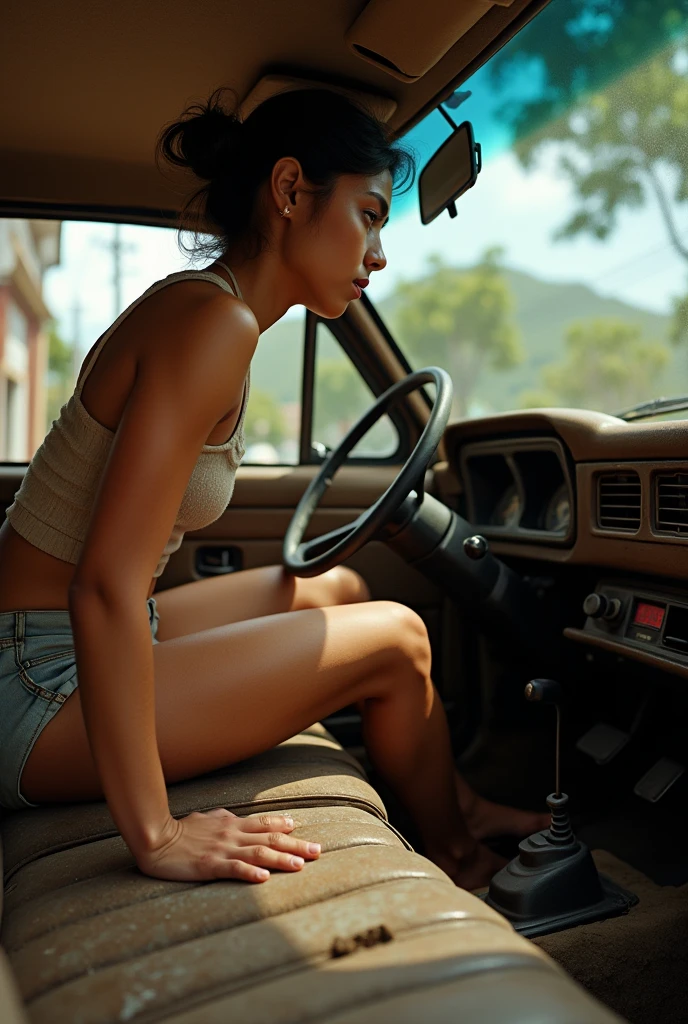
x=77, y=309
x=117, y=247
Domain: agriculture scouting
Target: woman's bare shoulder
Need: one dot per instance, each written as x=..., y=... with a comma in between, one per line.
x=196, y=312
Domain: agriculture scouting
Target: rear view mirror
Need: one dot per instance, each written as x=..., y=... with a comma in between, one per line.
x=452, y=170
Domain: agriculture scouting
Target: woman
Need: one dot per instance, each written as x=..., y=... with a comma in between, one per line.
x=146, y=448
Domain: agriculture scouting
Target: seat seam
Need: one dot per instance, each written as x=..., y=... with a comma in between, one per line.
x=191, y=887
x=285, y=802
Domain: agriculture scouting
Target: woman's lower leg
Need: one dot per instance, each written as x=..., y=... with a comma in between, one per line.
x=407, y=737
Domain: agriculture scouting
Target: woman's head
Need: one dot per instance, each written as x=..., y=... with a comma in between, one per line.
x=311, y=151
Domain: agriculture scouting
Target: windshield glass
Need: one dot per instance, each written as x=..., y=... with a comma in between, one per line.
x=563, y=280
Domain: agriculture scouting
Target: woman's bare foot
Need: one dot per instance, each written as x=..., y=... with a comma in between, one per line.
x=486, y=819
x=472, y=871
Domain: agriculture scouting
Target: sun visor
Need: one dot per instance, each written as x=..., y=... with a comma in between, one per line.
x=406, y=38
x=270, y=85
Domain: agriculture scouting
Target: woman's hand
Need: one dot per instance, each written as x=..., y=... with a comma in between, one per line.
x=219, y=844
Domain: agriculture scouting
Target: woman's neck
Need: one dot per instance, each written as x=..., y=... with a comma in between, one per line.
x=265, y=290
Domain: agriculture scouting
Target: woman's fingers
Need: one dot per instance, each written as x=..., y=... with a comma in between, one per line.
x=283, y=843
x=268, y=823
x=266, y=857
x=240, y=869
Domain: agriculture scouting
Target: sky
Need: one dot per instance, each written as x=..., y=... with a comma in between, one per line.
x=516, y=209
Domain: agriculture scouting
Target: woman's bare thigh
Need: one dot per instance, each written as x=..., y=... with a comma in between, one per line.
x=233, y=691
x=251, y=594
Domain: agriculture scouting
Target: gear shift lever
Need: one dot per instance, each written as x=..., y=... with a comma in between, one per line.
x=553, y=883
x=549, y=692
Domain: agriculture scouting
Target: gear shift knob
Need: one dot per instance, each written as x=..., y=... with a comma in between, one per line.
x=546, y=690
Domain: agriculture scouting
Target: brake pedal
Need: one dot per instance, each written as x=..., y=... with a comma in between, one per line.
x=602, y=742
x=661, y=777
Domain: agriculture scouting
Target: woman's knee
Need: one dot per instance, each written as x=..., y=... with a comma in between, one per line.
x=409, y=643
x=349, y=585
x=337, y=586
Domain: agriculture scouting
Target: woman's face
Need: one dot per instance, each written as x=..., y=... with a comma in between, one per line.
x=344, y=245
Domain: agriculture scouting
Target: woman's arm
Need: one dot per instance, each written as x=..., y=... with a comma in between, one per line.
x=177, y=399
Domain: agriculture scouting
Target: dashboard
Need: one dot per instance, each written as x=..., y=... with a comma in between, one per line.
x=567, y=486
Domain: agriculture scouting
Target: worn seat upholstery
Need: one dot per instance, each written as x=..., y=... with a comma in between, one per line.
x=370, y=931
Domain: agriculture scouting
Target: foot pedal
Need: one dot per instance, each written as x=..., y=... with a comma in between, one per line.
x=602, y=742
x=659, y=779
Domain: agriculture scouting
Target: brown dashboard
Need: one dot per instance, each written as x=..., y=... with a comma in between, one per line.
x=578, y=487
x=569, y=485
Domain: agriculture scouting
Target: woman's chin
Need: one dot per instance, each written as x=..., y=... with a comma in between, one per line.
x=330, y=311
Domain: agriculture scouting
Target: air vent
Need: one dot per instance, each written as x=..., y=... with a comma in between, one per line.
x=618, y=501
x=671, y=503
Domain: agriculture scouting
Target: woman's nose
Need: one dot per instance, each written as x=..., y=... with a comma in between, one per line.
x=377, y=261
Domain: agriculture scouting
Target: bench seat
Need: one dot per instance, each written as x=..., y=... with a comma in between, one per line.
x=369, y=932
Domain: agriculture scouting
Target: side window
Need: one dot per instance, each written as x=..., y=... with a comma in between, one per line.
x=340, y=397
x=273, y=417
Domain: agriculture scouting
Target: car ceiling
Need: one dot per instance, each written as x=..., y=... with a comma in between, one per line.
x=87, y=86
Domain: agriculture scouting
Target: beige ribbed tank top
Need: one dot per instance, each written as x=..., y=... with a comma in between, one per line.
x=52, y=508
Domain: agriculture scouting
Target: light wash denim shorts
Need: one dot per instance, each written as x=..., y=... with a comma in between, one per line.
x=37, y=674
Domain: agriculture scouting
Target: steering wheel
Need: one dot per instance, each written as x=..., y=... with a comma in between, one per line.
x=304, y=558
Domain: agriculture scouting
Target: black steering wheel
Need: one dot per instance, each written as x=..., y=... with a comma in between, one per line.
x=305, y=558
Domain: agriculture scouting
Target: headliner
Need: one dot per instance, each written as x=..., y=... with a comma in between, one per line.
x=87, y=86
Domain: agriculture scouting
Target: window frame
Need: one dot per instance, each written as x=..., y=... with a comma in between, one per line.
x=371, y=374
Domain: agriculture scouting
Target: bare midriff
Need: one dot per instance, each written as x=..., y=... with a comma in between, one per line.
x=32, y=579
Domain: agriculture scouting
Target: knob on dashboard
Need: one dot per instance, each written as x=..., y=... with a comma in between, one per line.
x=598, y=606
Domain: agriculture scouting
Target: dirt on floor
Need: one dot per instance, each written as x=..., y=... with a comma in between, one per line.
x=636, y=964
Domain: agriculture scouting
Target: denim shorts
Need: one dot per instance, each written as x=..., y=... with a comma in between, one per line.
x=37, y=674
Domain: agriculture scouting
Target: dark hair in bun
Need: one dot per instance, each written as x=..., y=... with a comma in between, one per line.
x=325, y=131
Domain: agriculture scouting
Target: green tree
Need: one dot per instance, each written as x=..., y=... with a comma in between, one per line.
x=60, y=374
x=574, y=49
x=619, y=142
x=459, y=319
x=264, y=420
x=615, y=99
x=608, y=366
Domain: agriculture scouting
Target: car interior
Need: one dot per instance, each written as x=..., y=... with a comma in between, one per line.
x=544, y=548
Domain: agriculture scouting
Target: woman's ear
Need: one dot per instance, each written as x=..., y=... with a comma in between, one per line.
x=286, y=181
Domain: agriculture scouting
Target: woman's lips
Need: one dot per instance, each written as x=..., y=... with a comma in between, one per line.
x=357, y=291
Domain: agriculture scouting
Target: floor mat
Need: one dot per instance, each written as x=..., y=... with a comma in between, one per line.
x=636, y=964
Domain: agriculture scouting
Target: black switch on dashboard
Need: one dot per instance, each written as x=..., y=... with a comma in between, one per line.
x=597, y=606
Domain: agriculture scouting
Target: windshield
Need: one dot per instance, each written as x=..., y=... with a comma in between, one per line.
x=563, y=280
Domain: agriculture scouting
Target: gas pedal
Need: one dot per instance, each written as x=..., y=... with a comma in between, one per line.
x=660, y=778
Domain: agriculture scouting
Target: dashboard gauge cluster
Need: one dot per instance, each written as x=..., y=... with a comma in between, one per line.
x=519, y=488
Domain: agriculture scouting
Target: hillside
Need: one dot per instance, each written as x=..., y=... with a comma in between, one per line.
x=543, y=311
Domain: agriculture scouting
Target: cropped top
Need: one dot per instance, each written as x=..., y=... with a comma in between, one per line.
x=53, y=505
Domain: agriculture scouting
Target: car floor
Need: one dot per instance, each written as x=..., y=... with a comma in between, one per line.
x=636, y=963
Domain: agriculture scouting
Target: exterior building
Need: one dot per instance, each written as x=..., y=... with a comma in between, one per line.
x=27, y=249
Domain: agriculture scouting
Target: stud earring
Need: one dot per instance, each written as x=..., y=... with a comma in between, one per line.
x=285, y=210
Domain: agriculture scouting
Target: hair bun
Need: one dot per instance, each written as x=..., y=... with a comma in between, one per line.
x=207, y=142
